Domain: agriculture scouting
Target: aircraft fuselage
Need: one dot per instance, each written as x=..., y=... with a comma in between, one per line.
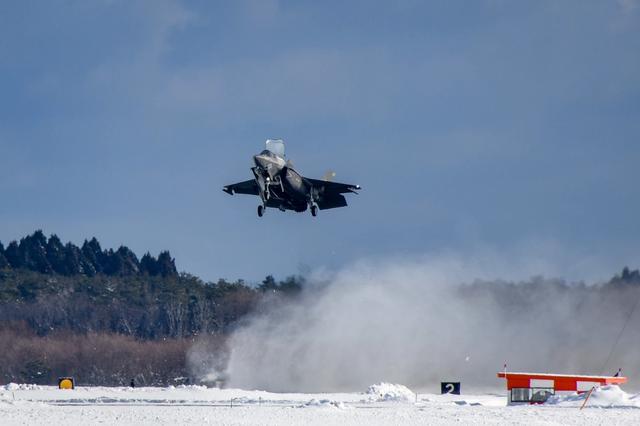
x=280, y=185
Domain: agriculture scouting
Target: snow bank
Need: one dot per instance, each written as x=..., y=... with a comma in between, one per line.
x=603, y=397
x=324, y=403
x=22, y=386
x=390, y=392
x=188, y=387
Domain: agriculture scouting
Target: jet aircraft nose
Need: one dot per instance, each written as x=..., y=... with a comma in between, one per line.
x=269, y=163
x=261, y=161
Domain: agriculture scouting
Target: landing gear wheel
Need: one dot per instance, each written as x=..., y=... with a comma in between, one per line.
x=314, y=210
x=260, y=210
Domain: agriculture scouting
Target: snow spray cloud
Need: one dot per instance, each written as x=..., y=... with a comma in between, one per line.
x=417, y=323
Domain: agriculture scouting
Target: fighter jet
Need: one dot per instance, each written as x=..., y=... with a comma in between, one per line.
x=280, y=186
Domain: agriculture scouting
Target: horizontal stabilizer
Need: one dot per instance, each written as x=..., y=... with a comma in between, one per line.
x=332, y=201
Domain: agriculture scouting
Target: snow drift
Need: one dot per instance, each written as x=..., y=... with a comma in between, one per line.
x=602, y=397
x=390, y=392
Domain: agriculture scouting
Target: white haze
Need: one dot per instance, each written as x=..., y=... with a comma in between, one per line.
x=409, y=322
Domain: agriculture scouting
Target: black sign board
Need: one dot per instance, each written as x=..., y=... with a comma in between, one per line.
x=450, y=387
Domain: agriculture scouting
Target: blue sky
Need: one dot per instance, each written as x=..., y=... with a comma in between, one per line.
x=489, y=125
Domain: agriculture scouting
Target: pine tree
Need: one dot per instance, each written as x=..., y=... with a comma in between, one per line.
x=121, y=262
x=149, y=265
x=34, y=253
x=268, y=284
x=629, y=276
x=12, y=253
x=128, y=260
x=74, y=262
x=167, y=265
x=109, y=264
x=4, y=263
x=56, y=254
x=94, y=257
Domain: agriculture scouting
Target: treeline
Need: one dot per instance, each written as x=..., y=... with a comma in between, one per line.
x=521, y=296
x=145, y=307
x=36, y=253
x=113, y=292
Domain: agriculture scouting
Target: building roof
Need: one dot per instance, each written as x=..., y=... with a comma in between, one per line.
x=579, y=377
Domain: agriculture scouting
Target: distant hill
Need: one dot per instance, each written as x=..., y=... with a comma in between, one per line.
x=53, y=286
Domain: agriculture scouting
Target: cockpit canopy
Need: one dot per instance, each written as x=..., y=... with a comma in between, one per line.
x=276, y=146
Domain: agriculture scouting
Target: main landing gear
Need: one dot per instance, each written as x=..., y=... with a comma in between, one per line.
x=261, y=210
x=314, y=210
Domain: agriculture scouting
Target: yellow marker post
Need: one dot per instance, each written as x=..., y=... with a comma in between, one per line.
x=65, y=383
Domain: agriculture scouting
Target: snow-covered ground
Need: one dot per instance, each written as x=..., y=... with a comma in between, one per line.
x=380, y=404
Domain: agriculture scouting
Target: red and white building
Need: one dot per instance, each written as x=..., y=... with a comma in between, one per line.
x=535, y=388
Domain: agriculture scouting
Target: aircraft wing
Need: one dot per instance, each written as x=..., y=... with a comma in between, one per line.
x=333, y=187
x=330, y=193
x=249, y=187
